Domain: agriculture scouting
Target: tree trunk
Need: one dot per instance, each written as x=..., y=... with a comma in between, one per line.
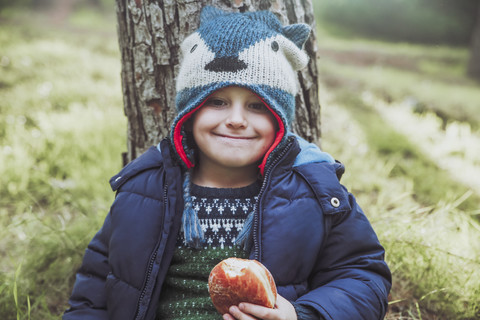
x=474, y=64
x=150, y=33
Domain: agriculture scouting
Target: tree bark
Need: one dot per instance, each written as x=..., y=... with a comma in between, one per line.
x=150, y=33
x=474, y=63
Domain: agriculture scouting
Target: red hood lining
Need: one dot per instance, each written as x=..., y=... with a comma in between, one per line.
x=178, y=137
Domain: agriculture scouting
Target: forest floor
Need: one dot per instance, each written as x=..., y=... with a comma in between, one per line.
x=410, y=111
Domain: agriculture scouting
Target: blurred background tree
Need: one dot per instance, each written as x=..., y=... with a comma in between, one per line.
x=436, y=22
x=421, y=21
x=474, y=63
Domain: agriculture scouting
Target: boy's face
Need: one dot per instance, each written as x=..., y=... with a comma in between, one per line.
x=233, y=129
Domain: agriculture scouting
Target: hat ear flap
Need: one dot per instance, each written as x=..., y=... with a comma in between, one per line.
x=297, y=33
x=209, y=12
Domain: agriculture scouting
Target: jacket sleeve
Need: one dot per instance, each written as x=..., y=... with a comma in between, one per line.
x=88, y=299
x=351, y=279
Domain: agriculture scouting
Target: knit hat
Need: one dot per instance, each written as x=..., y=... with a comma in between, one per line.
x=251, y=50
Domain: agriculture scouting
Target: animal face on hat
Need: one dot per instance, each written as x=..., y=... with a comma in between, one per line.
x=252, y=50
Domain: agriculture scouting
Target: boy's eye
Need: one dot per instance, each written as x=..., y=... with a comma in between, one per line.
x=258, y=107
x=215, y=102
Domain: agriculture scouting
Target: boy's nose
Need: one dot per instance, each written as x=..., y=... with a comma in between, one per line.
x=236, y=117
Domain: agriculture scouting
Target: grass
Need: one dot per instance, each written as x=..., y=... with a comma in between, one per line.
x=431, y=185
x=404, y=163
x=457, y=103
x=432, y=250
x=387, y=114
x=432, y=77
x=62, y=131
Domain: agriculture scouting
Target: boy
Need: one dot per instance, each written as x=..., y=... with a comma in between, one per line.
x=232, y=181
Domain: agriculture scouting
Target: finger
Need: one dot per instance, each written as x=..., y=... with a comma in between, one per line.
x=285, y=309
x=227, y=316
x=257, y=311
x=238, y=314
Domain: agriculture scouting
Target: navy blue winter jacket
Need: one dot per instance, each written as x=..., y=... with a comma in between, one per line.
x=308, y=231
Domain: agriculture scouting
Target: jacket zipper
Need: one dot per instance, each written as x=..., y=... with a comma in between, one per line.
x=150, y=265
x=256, y=218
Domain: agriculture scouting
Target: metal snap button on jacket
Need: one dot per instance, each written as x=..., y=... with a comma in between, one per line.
x=335, y=202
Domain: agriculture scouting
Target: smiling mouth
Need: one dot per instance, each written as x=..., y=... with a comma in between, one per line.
x=232, y=137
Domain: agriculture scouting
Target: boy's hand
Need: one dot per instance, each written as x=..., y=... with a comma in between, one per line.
x=284, y=310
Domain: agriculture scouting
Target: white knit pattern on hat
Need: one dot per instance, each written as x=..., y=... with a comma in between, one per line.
x=276, y=69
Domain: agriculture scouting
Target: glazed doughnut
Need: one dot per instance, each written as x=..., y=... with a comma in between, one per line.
x=236, y=280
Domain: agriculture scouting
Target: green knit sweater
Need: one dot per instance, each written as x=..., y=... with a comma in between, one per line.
x=222, y=213
x=185, y=292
